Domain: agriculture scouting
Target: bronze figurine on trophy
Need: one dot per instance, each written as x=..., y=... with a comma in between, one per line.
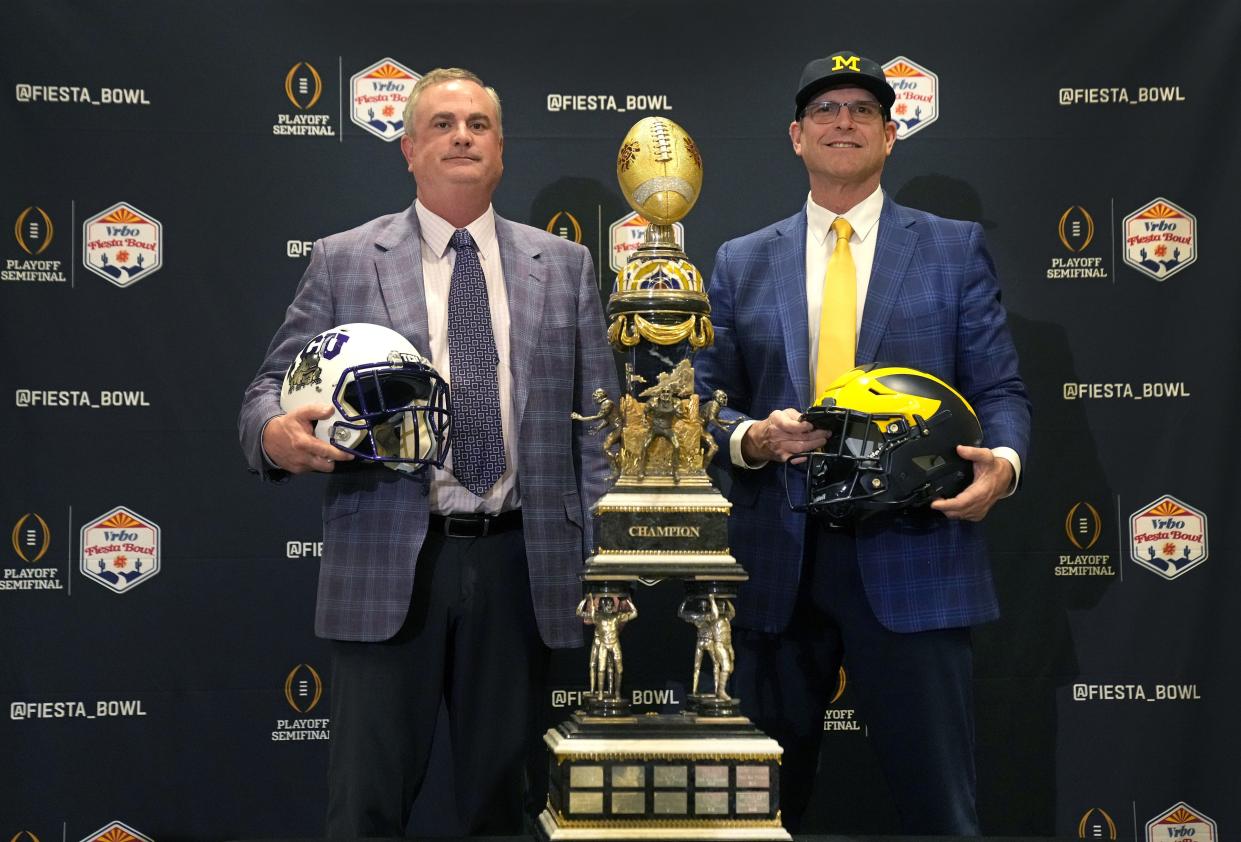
x=706, y=773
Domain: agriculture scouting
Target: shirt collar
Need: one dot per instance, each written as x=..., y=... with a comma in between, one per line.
x=862, y=217
x=437, y=231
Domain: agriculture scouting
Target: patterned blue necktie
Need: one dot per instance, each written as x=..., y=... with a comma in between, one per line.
x=477, y=438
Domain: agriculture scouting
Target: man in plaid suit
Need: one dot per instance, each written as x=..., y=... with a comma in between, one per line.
x=430, y=590
x=891, y=598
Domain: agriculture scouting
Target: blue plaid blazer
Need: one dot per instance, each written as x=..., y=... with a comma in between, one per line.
x=374, y=519
x=933, y=304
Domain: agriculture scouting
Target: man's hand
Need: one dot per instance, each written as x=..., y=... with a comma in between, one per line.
x=289, y=441
x=781, y=436
x=993, y=479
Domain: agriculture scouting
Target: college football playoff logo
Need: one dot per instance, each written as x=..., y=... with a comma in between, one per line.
x=34, y=230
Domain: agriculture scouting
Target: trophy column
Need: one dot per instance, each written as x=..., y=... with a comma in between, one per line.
x=706, y=773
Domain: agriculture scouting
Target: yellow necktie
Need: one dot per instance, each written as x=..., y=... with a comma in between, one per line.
x=838, y=315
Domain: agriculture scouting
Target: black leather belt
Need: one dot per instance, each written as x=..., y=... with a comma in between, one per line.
x=475, y=526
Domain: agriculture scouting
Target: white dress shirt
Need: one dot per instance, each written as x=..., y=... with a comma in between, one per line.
x=438, y=258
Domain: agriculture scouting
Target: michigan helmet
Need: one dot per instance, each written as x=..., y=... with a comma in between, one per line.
x=893, y=444
x=390, y=406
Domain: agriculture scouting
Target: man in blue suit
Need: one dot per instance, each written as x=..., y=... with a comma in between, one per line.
x=892, y=598
x=438, y=586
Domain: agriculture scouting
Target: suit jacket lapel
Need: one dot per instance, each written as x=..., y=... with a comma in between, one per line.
x=398, y=265
x=788, y=261
x=893, y=250
x=525, y=286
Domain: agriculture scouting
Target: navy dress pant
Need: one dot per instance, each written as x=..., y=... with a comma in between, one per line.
x=914, y=694
x=470, y=639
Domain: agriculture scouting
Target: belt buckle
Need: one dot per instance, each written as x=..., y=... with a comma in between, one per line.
x=476, y=526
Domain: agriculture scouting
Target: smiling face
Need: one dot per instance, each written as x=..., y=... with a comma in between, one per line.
x=844, y=156
x=454, y=148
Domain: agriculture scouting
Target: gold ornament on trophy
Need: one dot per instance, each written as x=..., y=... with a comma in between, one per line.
x=659, y=294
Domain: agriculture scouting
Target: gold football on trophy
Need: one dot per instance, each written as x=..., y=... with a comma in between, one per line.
x=659, y=169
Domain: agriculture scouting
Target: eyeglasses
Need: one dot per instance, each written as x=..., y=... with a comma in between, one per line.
x=828, y=111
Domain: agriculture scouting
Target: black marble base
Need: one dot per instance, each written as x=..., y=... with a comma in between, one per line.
x=710, y=705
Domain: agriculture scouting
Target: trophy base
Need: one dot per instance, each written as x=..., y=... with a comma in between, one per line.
x=604, y=706
x=710, y=705
x=678, y=776
x=656, y=529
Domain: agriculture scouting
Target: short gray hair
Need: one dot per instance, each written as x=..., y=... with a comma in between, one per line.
x=439, y=76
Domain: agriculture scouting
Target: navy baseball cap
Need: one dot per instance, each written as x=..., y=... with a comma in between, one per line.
x=843, y=68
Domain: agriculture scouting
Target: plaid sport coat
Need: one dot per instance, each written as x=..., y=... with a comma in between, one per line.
x=933, y=303
x=375, y=519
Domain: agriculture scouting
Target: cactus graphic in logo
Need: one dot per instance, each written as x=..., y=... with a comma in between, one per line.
x=120, y=550
x=1180, y=821
x=917, y=95
x=117, y=832
x=1168, y=537
x=377, y=97
x=1161, y=239
x=122, y=244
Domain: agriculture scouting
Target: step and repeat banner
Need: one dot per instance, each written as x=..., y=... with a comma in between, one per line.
x=165, y=169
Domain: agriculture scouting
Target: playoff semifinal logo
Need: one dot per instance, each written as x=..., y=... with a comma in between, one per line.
x=1168, y=537
x=303, y=688
x=122, y=244
x=378, y=95
x=565, y=225
x=303, y=85
x=1161, y=239
x=31, y=537
x=1076, y=229
x=34, y=233
x=34, y=230
x=120, y=550
x=1096, y=824
x=917, y=95
x=1083, y=525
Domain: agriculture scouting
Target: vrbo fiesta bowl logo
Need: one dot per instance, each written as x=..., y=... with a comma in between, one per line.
x=1168, y=537
x=120, y=550
x=122, y=244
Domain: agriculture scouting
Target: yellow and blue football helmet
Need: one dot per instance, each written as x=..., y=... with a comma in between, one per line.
x=893, y=443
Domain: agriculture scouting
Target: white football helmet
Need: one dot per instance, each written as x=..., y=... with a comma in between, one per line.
x=390, y=405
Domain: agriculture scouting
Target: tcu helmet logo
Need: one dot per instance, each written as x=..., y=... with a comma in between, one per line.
x=305, y=371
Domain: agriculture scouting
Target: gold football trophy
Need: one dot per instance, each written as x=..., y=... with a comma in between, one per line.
x=706, y=773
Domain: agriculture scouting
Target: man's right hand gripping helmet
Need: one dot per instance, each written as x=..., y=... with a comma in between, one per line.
x=893, y=445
